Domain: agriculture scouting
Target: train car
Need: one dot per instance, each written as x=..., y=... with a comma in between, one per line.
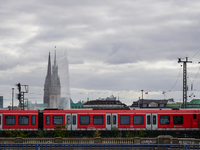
x=103, y=120
x=19, y=119
x=122, y=119
x=179, y=120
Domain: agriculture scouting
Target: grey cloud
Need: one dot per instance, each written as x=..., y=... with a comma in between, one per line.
x=98, y=36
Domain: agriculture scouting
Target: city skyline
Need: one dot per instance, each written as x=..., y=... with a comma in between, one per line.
x=113, y=48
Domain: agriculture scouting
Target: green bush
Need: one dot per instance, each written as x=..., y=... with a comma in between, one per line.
x=140, y=133
x=60, y=131
x=41, y=133
x=115, y=132
x=16, y=133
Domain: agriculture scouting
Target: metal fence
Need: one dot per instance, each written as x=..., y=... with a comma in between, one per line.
x=19, y=146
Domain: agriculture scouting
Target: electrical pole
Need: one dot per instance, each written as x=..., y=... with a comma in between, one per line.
x=142, y=98
x=12, y=97
x=184, y=80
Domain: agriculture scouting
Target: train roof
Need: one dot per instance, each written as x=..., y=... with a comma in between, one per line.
x=124, y=111
x=19, y=111
x=105, y=111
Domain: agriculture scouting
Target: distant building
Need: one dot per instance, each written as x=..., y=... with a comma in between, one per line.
x=176, y=105
x=52, y=87
x=1, y=101
x=55, y=88
x=195, y=103
x=35, y=106
x=150, y=103
x=77, y=105
x=108, y=98
x=47, y=82
x=171, y=101
x=14, y=108
x=105, y=105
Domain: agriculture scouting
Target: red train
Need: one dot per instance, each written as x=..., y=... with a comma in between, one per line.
x=101, y=119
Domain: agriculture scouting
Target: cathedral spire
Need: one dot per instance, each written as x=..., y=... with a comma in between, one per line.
x=55, y=87
x=47, y=81
x=55, y=58
x=49, y=66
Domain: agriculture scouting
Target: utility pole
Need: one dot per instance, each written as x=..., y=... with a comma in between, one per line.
x=142, y=98
x=184, y=80
x=12, y=97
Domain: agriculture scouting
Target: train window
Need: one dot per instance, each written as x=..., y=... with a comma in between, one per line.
x=47, y=120
x=33, y=120
x=194, y=116
x=124, y=119
x=97, y=120
x=74, y=120
x=148, y=120
x=9, y=120
x=154, y=119
x=84, y=120
x=137, y=120
x=108, y=119
x=23, y=120
x=57, y=120
x=178, y=119
x=164, y=119
x=68, y=119
x=114, y=119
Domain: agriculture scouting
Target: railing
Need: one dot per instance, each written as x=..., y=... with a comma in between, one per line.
x=135, y=140
x=148, y=140
x=98, y=146
x=189, y=141
x=38, y=140
x=7, y=140
x=79, y=140
x=118, y=140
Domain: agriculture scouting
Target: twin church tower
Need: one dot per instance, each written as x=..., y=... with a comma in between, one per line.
x=52, y=87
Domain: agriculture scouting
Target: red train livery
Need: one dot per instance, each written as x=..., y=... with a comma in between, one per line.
x=101, y=119
x=19, y=119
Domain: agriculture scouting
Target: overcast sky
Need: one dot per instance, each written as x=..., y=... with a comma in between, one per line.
x=117, y=47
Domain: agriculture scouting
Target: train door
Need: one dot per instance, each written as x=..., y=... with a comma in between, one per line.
x=108, y=121
x=71, y=121
x=1, y=122
x=114, y=120
x=151, y=121
x=194, y=121
x=68, y=119
x=74, y=121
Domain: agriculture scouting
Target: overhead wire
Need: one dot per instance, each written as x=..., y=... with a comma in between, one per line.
x=196, y=75
x=196, y=54
x=192, y=83
x=176, y=79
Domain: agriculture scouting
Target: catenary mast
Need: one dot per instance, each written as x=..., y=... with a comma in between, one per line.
x=184, y=80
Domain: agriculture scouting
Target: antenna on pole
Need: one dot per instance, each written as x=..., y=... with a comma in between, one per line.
x=184, y=80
